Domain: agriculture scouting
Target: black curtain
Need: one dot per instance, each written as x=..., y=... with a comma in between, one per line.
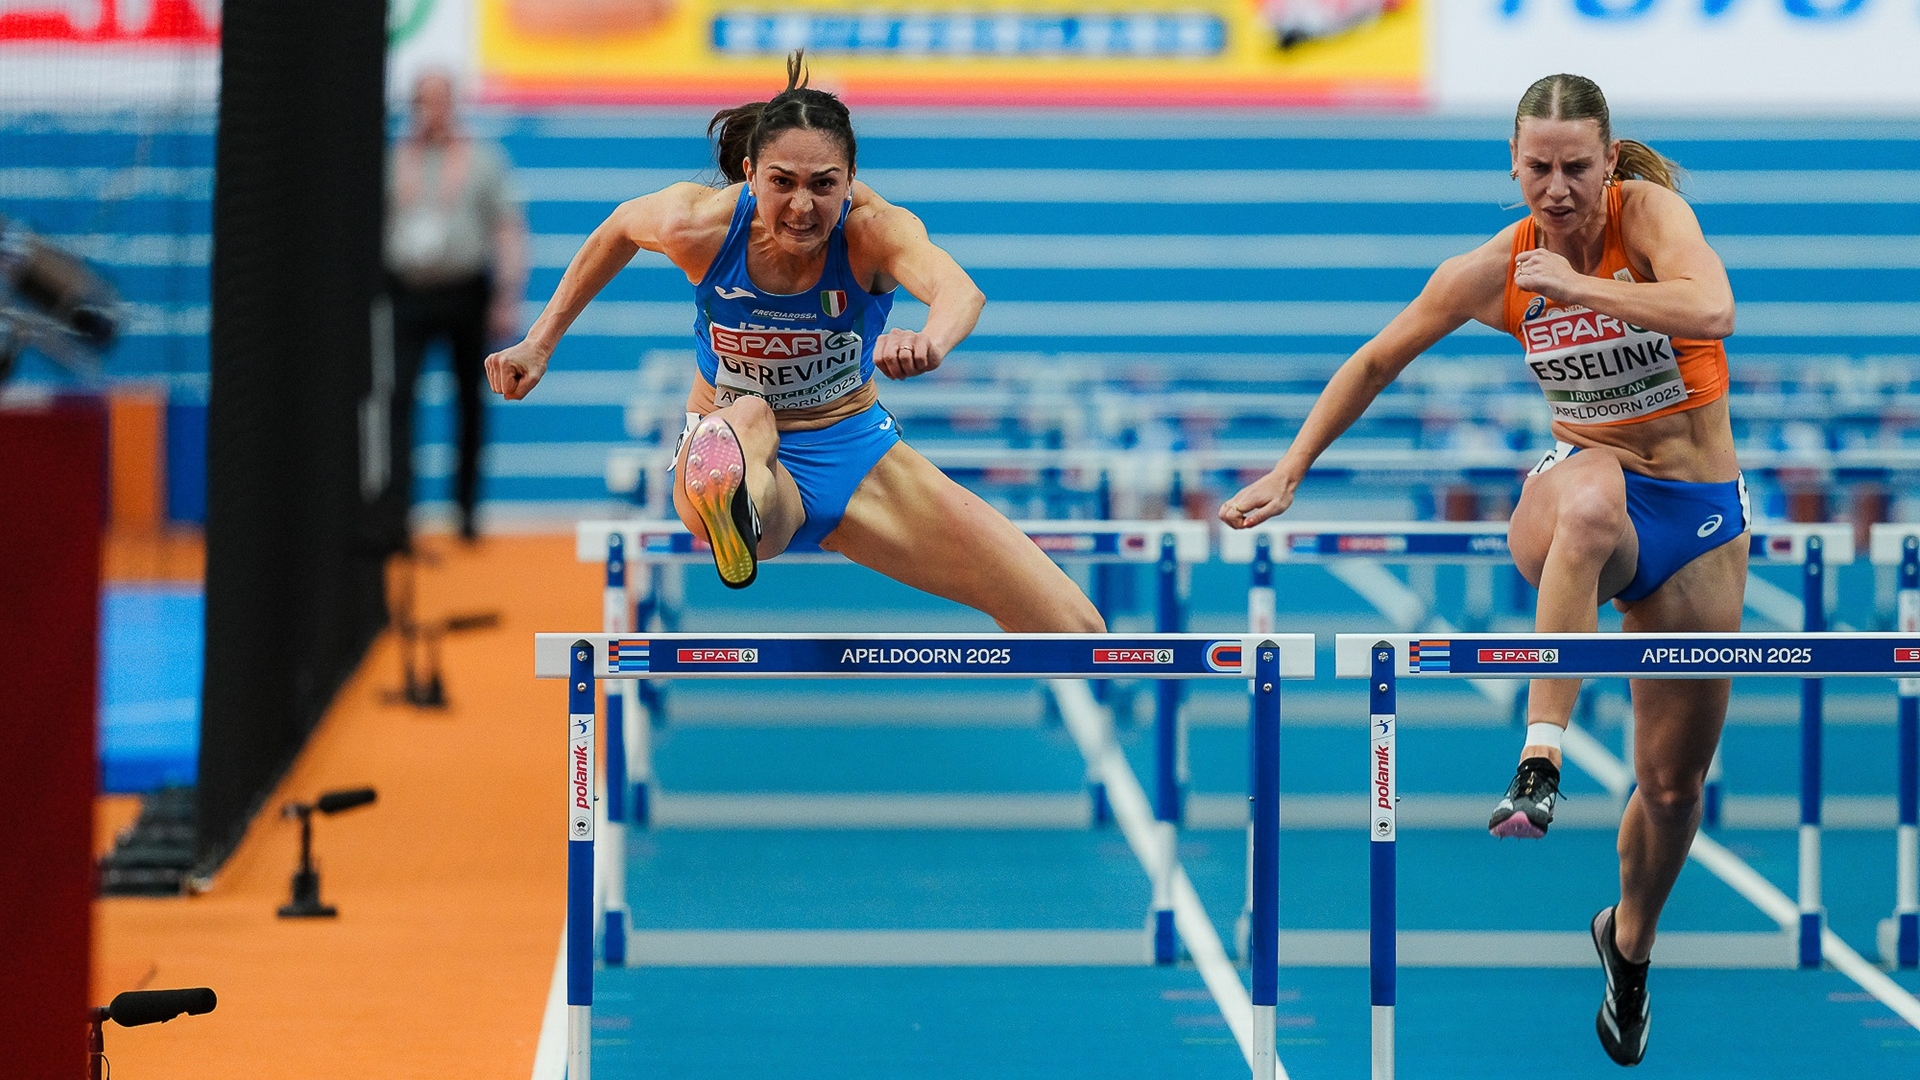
x=294, y=590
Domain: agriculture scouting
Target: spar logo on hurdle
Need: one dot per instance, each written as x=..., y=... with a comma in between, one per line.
x=1906, y=656
x=1225, y=656
x=1519, y=656
x=1139, y=656
x=719, y=656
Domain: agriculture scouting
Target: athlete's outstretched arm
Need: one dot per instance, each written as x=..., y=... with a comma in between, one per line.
x=1690, y=296
x=895, y=244
x=1465, y=287
x=651, y=222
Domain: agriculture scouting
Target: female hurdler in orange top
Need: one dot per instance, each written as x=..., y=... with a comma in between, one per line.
x=1620, y=306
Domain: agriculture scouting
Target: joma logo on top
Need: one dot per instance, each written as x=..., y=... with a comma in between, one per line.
x=1617, y=10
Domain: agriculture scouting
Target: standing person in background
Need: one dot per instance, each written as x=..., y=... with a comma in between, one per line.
x=456, y=252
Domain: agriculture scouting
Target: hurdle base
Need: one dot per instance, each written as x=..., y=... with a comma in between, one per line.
x=1899, y=941
x=1101, y=811
x=613, y=938
x=1808, y=939
x=1165, y=941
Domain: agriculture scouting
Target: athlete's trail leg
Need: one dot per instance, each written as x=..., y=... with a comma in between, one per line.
x=1571, y=539
x=772, y=490
x=1676, y=727
x=911, y=522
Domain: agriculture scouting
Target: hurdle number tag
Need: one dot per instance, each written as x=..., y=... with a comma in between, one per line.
x=1383, y=785
x=580, y=778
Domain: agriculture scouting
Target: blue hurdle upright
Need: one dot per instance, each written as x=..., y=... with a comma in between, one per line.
x=636, y=552
x=1899, y=546
x=1386, y=659
x=585, y=659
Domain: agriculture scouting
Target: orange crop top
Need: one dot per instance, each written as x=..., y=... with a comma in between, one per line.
x=1596, y=369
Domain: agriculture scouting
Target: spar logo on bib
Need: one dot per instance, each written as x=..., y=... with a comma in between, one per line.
x=833, y=301
x=791, y=369
x=1596, y=369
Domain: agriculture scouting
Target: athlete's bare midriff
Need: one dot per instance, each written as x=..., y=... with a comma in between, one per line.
x=1694, y=446
x=812, y=418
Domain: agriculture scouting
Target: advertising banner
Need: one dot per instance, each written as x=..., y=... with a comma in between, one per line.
x=1754, y=56
x=1079, y=52
x=83, y=52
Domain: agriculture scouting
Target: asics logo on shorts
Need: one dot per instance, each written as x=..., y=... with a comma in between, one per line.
x=1710, y=526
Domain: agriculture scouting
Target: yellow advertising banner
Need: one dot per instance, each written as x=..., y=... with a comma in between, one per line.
x=1032, y=52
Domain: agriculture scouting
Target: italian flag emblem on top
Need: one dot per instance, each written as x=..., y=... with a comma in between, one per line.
x=833, y=301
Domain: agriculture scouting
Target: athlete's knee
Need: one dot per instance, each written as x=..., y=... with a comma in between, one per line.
x=1669, y=794
x=749, y=417
x=1590, y=521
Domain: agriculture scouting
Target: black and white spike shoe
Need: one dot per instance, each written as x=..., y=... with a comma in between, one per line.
x=1527, y=809
x=1626, y=1011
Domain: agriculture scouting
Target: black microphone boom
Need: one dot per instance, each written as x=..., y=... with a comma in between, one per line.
x=335, y=801
x=136, y=1007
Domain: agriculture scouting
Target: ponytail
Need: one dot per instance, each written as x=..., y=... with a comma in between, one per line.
x=732, y=132
x=738, y=134
x=1638, y=161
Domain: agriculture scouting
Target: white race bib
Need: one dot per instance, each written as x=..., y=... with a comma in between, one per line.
x=791, y=369
x=1596, y=369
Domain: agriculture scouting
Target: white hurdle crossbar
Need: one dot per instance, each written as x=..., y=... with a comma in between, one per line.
x=583, y=659
x=1384, y=659
x=632, y=549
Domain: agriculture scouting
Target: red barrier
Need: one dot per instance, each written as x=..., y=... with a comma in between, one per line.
x=53, y=473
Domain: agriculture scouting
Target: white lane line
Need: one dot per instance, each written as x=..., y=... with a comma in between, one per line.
x=857, y=810
x=1530, y=949
x=1093, y=733
x=1242, y=186
x=886, y=948
x=550, y=1053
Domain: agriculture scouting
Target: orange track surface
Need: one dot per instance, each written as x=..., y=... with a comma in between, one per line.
x=451, y=888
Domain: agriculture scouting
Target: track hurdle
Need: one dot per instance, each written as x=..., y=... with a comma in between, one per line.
x=634, y=551
x=1899, y=546
x=1384, y=659
x=1812, y=546
x=585, y=659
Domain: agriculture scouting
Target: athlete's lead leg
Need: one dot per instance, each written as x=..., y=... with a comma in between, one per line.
x=733, y=492
x=1572, y=539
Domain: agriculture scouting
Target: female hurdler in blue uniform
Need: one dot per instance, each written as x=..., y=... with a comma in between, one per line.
x=793, y=268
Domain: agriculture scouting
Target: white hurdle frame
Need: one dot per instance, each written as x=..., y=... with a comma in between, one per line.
x=585, y=659
x=1483, y=543
x=1384, y=659
x=631, y=548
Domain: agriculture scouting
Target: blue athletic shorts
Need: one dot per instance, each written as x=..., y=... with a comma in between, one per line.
x=828, y=464
x=1677, y=521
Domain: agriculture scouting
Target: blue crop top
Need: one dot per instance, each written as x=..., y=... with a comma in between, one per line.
x=796, y=350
